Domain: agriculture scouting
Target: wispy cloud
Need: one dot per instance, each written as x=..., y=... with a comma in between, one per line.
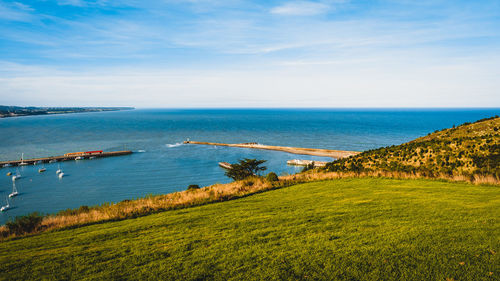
x=301, y=8
x=16, y=11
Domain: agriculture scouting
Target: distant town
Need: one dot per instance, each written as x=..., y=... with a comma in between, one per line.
x=15, y=111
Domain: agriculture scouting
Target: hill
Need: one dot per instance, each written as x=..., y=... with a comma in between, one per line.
x=347, y=229
x=470, y=149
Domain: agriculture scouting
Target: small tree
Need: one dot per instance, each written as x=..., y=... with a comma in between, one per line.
x=272, y=177
x=308, y=167
x=245, y=168
x=193, y=187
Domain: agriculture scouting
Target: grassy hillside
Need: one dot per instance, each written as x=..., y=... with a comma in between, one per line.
x=469, y=149
x=347, y=229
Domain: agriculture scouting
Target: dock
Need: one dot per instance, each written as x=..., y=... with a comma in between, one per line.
x=297, y=162
x=337, y=154
x=65, y=157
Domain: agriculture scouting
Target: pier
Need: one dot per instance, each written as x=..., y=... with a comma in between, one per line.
x=337, y=154
x=298, y=162
x=65, y=157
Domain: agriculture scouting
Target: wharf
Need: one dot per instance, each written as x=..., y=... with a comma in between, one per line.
x=337, y=154
x=66, y=157
x=298, y=162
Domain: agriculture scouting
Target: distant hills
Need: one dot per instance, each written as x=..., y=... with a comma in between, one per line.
x=469, y=149
x=14, y=111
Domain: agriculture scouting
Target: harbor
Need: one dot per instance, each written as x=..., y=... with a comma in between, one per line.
x=336, y=154
x=65, y=157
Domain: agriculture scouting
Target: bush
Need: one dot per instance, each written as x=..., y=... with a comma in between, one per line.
x=193, y=186
x=308, y=167
x=84, y=209
x=272, y=177
x=25, y=224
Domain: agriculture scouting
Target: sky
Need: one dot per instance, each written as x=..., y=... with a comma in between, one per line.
x=232, y=53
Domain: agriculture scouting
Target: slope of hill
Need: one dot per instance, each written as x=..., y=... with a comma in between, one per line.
x=469, y=149
x=347, y=229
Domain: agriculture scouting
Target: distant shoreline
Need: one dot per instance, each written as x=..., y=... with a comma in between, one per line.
x=18, y=111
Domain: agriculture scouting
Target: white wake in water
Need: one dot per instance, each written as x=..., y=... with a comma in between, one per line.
x=174, y=145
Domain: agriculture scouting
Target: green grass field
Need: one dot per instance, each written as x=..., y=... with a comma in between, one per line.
x=350, y=229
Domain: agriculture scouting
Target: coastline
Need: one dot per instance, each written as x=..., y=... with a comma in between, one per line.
x=15, y=111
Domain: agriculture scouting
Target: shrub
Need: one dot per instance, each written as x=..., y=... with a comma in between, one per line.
x=248, y=182
x=83, y=209
x=193, y=186
x=308, y=167
x=272, y=177
x=25, y=224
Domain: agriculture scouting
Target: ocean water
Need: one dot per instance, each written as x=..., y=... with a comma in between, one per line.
x=162, y=164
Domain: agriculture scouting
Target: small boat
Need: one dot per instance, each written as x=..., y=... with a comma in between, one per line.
x=79, y=158
x=14, y=191
x=61, y=175
x=53, y=161
x=42, y=170
x=16, y=176
x=37, y=162
x=9, y=173
x=7, y=165
x=58, y=169
x=92, y=157
x=22, y=161
x=6, y=207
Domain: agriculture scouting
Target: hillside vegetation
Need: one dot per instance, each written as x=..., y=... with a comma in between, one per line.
x=468, y=150
x=347, y=229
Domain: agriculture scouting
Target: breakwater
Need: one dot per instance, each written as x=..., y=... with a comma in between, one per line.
x=295, y=150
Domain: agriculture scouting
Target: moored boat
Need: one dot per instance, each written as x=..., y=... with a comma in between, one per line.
x=14, y=190
x=5, y=207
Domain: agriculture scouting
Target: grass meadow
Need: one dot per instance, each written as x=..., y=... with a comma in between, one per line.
x=345, y=229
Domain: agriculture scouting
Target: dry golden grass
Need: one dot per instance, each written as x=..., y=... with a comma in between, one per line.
x=215, y=193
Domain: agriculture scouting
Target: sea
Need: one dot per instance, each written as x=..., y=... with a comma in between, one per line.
x=161, y=163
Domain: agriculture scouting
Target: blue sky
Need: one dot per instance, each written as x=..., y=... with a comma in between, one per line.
x=201, y=53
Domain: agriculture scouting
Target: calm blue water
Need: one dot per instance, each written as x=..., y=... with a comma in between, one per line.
x=166, y=166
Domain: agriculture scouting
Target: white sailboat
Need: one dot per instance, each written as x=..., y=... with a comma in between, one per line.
x=58, y=169
x=6, y=207
x=61, y=174
x=22, y=161
x=42, y=169
x=14, y=190
x=16, y=176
